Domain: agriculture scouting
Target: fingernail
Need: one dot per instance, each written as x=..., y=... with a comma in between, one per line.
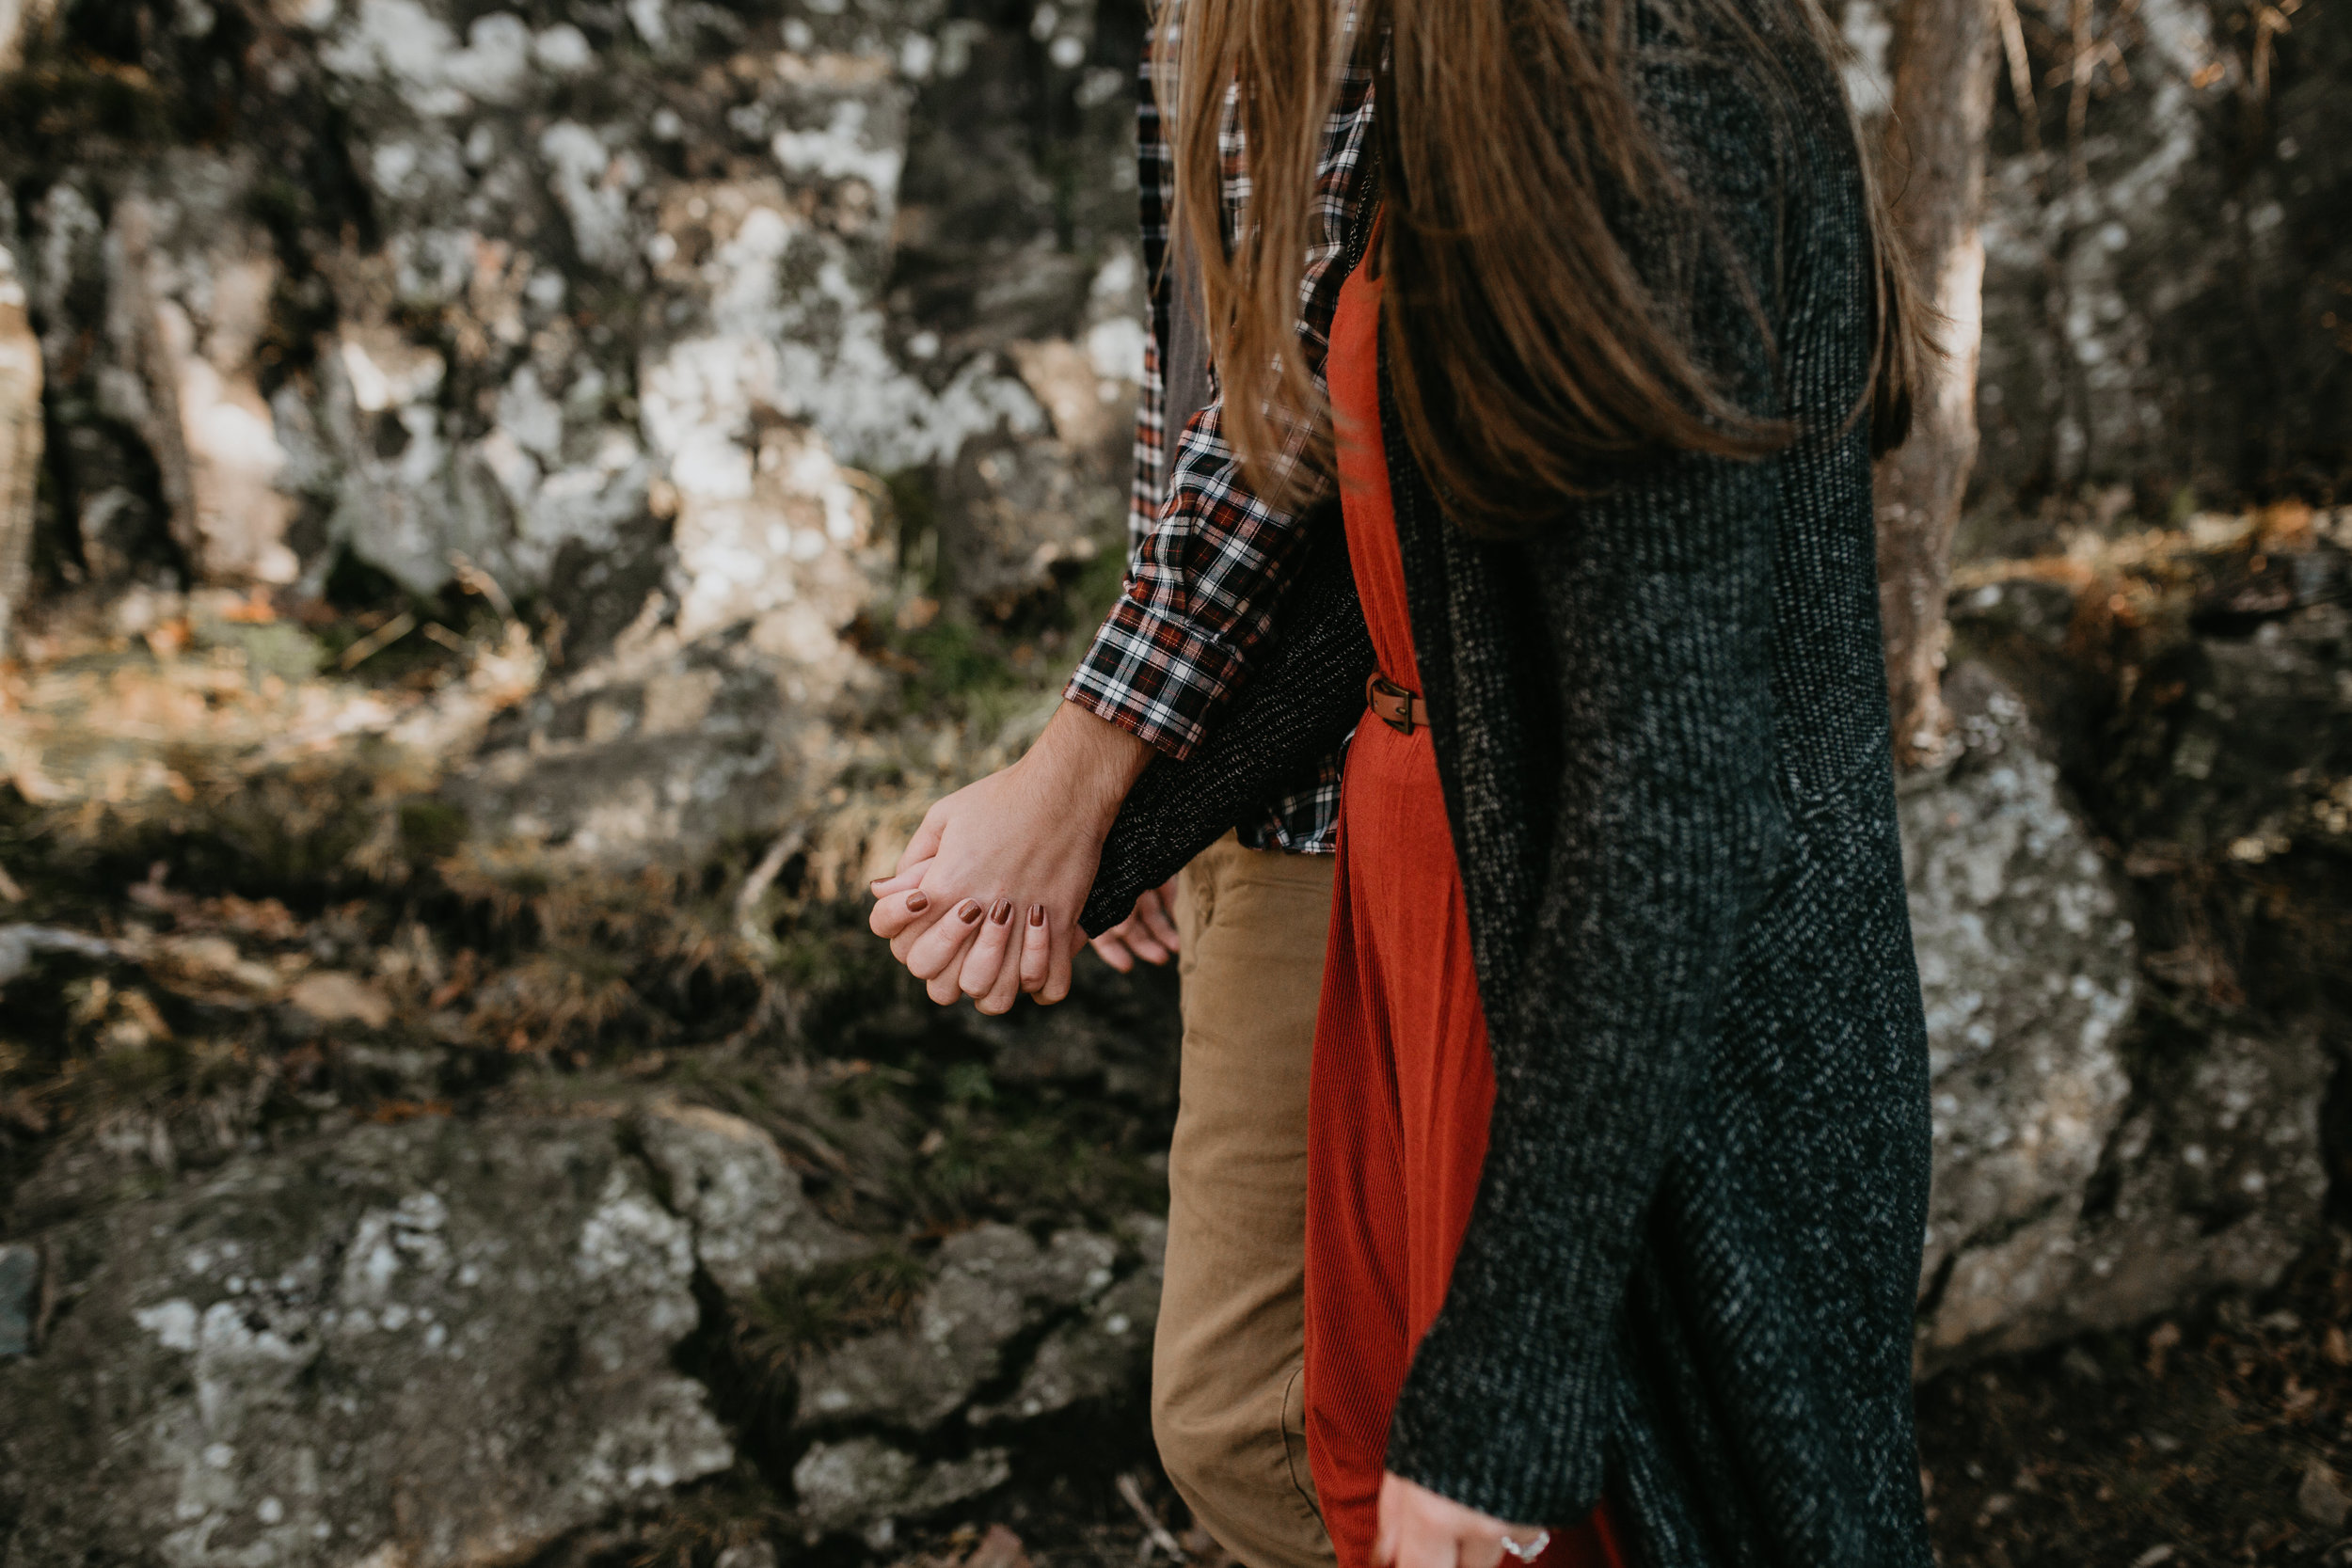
x=969, y=910
x=1036, y=914
x=1002, y=912
x=917, y=902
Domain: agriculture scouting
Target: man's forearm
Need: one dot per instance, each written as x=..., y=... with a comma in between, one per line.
x=1087, y=763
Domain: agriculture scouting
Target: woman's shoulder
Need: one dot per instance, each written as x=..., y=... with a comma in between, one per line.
x=1739, y=117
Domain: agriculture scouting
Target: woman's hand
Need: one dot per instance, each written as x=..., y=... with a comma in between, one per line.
x=985, y=899
x=1421, y=1529
x=1148, y=933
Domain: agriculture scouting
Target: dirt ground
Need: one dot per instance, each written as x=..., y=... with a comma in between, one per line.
x=2219, y=1438
x=2204, y=1442
x=2198, y=1442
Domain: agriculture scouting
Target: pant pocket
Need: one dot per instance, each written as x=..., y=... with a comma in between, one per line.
x=1294, y=1438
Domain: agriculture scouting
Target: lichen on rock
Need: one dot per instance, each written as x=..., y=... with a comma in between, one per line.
x=347, y=1345
x=2029, y=973
x=993, y=1283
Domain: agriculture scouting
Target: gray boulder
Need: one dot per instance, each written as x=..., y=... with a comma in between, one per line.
x=2214, y=1181
x=993, y=1284
x=2028, y=972
x=866, y=1483
x=2094, y=1166
x=350, y=1349
x=1102, y=1354
x=730, y=1180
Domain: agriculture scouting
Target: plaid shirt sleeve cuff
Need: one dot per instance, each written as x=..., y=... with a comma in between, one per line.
x=1155, y=676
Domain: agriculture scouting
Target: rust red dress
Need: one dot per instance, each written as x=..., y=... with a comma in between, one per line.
x=1401, y=1082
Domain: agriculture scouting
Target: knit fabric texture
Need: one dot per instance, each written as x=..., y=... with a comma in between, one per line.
x=1661, y=726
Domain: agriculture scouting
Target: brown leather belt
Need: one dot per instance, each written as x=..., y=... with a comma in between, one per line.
x=1393, y=705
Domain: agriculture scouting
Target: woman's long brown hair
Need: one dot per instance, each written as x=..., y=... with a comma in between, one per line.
x=1534, y=361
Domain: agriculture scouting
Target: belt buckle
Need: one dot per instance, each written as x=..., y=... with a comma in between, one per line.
x=1396, y=711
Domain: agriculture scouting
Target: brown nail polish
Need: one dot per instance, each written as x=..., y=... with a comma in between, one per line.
x=1002, y=912
x=917, y=903
x=969, y=910
x=1036, y=914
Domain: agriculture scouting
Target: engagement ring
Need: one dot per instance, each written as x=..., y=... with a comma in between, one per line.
x=1528, y=1551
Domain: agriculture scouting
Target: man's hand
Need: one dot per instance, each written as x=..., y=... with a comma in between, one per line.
x=986, y=897
x=1148, y=933
x=1421, y=1529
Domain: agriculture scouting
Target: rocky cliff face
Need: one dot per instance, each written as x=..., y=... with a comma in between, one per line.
x=643, y=320
x=401, y=277
x=588, y=298
x=2166, y=247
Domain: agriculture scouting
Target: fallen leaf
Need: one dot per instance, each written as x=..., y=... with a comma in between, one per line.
x=2322, y=1496
x=141, y=1008
x=265, y=918
x=23, y=1110
x=214, y=962
x=152, y=895
x=255, y=610
x=2284, y=524
x=169, y=640
x=999, y=1548
x=332, y=996
x=391, y=1112
x=460, y=981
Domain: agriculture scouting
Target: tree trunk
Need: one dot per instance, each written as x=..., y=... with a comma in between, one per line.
x=1932, y=164
x=21, y=436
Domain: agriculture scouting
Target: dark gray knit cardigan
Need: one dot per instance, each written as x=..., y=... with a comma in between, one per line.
x=1663, y=732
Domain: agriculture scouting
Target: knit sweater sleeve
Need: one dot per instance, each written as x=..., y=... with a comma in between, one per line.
x=1657, y=609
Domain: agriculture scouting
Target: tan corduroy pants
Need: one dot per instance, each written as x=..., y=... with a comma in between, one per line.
x=1226, y=1368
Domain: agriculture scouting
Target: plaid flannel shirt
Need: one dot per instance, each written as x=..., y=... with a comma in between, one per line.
x=1207, y=559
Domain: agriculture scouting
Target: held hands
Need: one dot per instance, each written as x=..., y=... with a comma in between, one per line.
x=1421, y=1529
x=985, y=899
